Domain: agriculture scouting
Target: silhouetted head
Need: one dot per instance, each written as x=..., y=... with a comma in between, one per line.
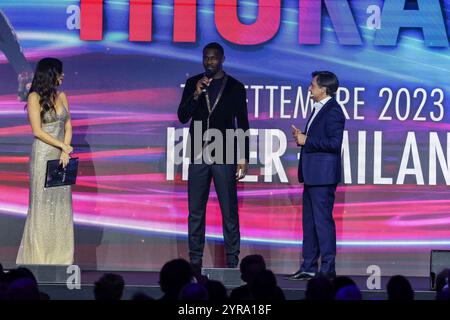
x=250, y=266
x=23, y=289
x=174, y=275
x=216, y=290
x=341, y=282
x=109, y=287
x=19, y=273
x=442, y=279
x=399, y=288
x=264, y=287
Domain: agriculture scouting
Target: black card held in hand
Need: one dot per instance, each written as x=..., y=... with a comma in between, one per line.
x=57, y=176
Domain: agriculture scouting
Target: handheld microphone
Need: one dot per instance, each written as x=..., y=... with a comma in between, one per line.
x=209, y=74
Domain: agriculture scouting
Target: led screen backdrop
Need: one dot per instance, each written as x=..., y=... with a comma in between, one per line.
x=124, y=71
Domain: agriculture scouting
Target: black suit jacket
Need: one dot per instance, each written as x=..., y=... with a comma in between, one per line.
x=230, y=113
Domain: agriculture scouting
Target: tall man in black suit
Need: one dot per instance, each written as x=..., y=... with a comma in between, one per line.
x=320, y=170
x=214, y=100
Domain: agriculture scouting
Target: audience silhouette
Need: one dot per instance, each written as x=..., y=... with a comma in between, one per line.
x=178, y=283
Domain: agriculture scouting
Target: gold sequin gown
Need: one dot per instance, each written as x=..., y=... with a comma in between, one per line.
x=48, y=236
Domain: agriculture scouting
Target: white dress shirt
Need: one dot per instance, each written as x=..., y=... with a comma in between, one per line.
x=317, y=106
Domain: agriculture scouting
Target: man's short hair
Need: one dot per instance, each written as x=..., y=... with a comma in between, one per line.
x=328, y=80
x=215, y=46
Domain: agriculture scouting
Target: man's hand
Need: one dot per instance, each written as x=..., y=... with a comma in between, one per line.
x=299, y=137
x=202, y=83
x=241, y=170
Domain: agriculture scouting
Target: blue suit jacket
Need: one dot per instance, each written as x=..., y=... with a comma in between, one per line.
x=320, y=157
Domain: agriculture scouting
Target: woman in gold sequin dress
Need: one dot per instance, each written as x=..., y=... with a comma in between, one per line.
x=48, y=236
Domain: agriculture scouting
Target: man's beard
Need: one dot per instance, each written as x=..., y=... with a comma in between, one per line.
x=212, y=72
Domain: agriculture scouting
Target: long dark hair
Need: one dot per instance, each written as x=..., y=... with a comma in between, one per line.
x=45, y=82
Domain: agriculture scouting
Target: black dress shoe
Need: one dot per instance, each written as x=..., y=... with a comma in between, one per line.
x=300, y=275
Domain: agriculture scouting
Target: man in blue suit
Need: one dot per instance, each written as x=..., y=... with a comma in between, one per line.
x=320, y=170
